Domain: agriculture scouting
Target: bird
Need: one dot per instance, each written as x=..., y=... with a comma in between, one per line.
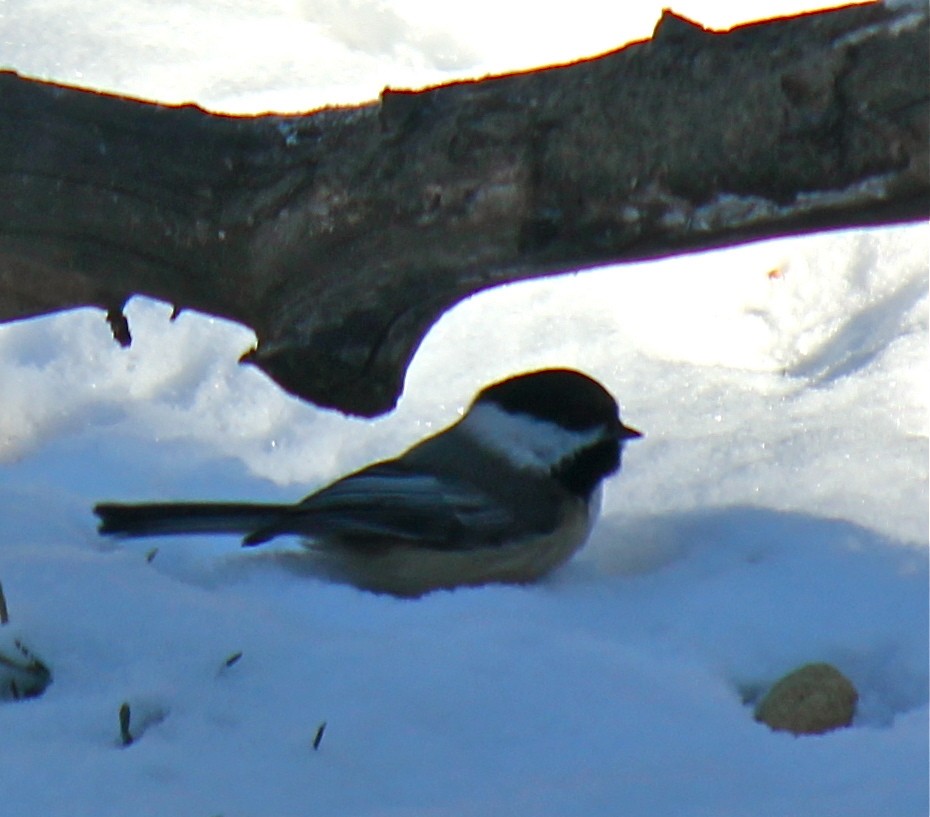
x=505, y=495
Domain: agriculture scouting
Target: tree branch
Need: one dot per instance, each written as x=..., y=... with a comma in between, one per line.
x=340, y=236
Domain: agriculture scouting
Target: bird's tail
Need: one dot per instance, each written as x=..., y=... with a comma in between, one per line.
x=166, y=518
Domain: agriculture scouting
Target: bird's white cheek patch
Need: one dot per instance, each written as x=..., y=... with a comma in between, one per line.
x=526, y=441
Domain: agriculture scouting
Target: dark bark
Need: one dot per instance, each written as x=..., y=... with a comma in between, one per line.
x=340, y=236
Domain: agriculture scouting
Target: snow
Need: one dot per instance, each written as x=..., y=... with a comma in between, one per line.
x=774, y=514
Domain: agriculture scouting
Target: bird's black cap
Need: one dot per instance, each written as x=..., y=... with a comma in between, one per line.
x=565, y=397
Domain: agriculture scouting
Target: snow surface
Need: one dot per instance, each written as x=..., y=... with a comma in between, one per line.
x=775, y=513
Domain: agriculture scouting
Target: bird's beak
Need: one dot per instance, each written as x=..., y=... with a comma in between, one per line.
x=627, y=433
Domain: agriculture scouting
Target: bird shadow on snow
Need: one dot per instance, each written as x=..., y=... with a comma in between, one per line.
x=759, y=592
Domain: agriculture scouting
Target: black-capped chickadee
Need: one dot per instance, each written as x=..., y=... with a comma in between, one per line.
x=506, y=494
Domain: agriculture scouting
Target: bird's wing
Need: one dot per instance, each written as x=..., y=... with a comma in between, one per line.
x=387, y=504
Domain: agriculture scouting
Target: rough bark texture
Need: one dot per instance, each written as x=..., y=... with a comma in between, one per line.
x=340, y=236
